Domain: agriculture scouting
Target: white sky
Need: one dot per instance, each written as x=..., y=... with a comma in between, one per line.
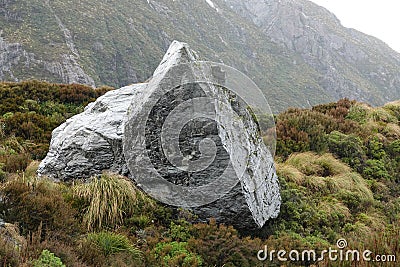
x=379, y=18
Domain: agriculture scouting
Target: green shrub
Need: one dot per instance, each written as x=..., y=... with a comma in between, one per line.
x=180, y=232
x=176, y=254
x=394, y=148
x=66, y=251
x=375, y=148
x=11, y=246
x=358, y=113
x=32, y=202
x=376, y=169
x=48, y=259
x=2, y=173
x=220, y=245
x=16, y=162
x=32, y=109
x=349, y=148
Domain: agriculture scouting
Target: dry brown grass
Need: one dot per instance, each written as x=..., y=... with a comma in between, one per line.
x=109, y=197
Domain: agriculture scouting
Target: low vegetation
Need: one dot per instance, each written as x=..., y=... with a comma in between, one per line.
x=338, y=165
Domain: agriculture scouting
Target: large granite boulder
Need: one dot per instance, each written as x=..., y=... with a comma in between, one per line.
x=176, y=144
x=91, y=142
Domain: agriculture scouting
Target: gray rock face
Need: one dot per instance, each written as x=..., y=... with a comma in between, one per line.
x=91, y=142
x=347, y=61
x=9, y=56
x=108, y=137
x=67, y=70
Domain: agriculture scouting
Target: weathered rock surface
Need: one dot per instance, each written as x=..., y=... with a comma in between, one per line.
x=348, y=61
x=66, y=69
x=91, y=142
x=108, y=137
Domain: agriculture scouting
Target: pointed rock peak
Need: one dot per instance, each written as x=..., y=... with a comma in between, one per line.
x=164, y=148
x=177, y=53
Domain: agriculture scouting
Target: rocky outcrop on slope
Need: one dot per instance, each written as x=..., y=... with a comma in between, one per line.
x=17, y=64
x=243, y=186
x=351, y=64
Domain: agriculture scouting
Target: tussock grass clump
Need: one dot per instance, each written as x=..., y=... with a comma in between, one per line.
x=323, y=175
x=383, y=115
x=111, y=243
x=291, y=173
x=305, y=163
x=363, y=113
x=383, y=120
x=331, y=165
x=106, y=248
x=394, y=107
x=332, y=206
x=311, y=164
x=109, y=198
x=392, y=130
x=372, y=219
x=316, y=184
x=351, y=182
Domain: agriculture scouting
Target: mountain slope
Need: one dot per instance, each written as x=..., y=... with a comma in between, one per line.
x=120, y=42
x=350, y=63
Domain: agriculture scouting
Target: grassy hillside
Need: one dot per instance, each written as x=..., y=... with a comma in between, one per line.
x=117, y=43
x=339, y=170
x=29, y=113
x=122, y=42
